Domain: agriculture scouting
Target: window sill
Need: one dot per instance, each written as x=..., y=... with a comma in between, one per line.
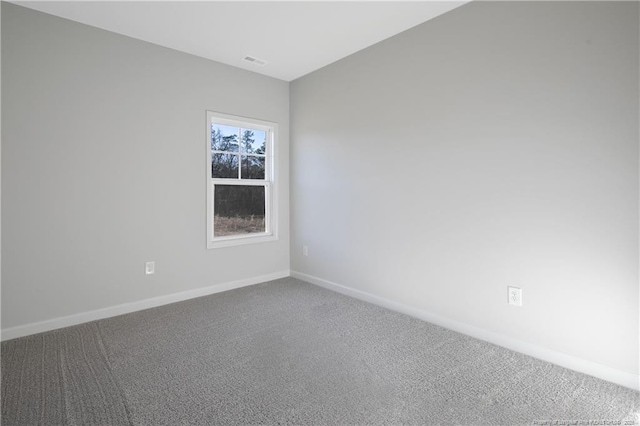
x=240, y=241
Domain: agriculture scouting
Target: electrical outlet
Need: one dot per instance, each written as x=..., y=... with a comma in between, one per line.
x=514, y=295
x=305, y=250
x=150, y=268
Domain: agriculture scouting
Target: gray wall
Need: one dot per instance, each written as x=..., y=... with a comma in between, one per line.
x=103, y=168
x=495, y=145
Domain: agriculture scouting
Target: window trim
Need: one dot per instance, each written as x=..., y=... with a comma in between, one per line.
x=269, y=181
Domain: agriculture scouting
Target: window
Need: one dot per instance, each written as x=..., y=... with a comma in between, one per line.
x=240, y=185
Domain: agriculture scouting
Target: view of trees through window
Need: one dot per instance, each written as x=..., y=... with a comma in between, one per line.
x=232, y=147
x=238, y=210
x=238, y=154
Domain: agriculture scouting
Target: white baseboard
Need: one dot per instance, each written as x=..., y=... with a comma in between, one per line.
x=604, y=372
x=125, y=308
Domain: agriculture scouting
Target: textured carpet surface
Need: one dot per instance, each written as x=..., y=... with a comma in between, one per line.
x=287, y=352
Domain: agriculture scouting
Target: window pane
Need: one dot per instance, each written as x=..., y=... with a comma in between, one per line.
x=252, y=167
x=224, y=138
x=253, y=141
x=224, y=165
x=238, y=210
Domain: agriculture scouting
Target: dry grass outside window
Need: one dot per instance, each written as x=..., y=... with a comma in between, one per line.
x=224, y=226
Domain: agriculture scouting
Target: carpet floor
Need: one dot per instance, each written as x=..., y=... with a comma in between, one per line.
x=288, y=352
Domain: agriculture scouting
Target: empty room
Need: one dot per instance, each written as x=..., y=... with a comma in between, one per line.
x=320, y=213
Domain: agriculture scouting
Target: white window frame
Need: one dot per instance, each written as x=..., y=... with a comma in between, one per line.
x=269, y=181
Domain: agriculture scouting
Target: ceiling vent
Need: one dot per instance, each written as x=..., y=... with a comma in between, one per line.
x=255, y=61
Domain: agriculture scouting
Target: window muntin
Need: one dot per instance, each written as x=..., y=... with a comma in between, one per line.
x=240, y=190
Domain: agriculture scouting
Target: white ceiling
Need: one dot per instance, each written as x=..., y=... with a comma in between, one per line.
x=294, y=37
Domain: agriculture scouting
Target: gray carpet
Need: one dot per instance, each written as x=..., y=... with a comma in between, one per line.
x=287, y=352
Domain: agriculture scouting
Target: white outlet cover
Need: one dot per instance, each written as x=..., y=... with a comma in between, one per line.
x=514, y=295
x=150, y=268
